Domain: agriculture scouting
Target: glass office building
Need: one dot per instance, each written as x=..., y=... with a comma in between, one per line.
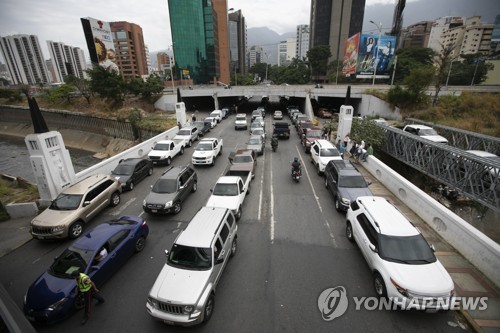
x=194, y=32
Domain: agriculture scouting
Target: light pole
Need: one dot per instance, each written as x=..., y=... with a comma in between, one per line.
x=379, y=27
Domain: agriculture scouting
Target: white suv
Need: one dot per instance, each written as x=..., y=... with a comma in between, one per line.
x=184, y=292
x=404, y=266
x=322, y=152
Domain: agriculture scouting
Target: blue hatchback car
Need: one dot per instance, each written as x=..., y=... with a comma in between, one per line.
x=52, y=297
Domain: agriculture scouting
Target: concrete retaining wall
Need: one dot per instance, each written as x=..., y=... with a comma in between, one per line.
x=140, y=150
x=480, y=250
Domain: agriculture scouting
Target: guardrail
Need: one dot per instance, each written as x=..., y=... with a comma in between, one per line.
x=476, y=247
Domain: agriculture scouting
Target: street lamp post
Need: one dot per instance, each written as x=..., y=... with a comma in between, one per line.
x=379, y=27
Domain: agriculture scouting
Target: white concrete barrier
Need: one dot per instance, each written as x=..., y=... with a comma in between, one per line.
x=476, y=247
x=140, y=150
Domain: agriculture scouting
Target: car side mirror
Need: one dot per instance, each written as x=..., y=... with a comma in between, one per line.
x=373, y=248
x=219, y=261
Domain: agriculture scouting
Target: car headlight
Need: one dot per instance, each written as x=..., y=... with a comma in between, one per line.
x=188, y=309
x=346, y=201
x=168, y=204
x=57, y=304
x=58, y=228
x=400, y=289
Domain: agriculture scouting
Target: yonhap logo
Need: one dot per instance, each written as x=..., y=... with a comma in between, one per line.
x=332, y=303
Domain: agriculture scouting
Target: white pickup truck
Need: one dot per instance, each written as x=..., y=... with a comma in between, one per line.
x=165, y=150
x=207, y=151
x=230, y=191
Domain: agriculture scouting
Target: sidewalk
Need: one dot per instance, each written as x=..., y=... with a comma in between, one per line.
x=469, y=282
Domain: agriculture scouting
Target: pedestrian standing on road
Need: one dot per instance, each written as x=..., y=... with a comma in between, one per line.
x=86, y=287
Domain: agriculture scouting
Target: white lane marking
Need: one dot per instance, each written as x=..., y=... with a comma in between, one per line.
x=261, y=186
x=273, y=222
x=122, y=207
x=317, y=199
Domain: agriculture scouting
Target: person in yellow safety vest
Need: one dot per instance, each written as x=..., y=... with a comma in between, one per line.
x=86, y=287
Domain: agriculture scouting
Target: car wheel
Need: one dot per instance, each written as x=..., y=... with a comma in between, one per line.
x=131, y=186
x=182, y=151
x=177, y=207
x=208, y=310
x=195, y=187
x=150, y=172
x=337, y=204
x=139, y=244
x=115, y=199
x=238, y=213
x=234, y=247
x=348, y=232
x=75, y=230
x=378, y=283
x=168, y=161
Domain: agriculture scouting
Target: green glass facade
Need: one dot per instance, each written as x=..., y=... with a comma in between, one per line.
x=194, y=33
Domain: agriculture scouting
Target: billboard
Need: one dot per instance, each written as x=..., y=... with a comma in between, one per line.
x=100, y=43
x=374, y=53
x=350, y=55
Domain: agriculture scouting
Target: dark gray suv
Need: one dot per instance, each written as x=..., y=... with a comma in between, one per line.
x=170, y=190
x=345, y=182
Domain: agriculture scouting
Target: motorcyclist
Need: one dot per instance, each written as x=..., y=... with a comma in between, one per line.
x=274, y=141
x=296, y=165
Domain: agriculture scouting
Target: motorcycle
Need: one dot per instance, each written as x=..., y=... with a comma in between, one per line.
x=296, y=174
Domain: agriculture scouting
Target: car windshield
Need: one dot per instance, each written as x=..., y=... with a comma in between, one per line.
x=162, y=146
x=66, y=202
x=426, y=131
x=70, y=260
x=314, y=134
x=123, y=170
x=184, y=132
x=225, y=189
x=352, y=181
x=329, y=152
x=187, y=257
x=412, y=250
x=165, y=186
x=204, y=146
x=242, y=159
x=255, y=142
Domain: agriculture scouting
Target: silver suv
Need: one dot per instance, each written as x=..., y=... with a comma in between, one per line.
x=75, y=206
x=184, y=292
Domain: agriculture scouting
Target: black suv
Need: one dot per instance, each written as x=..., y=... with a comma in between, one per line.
x=170, y=190
x=131, y=171
x=281, y=129
x=345, y=182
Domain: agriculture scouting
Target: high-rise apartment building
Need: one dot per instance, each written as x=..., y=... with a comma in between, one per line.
x=24, y=59
x=302, y=38
x=201, y=44
x=66, y=60
x=286, y=51
x=441, y=25
x=237, y=42
x=130, y=49
x=333, y=21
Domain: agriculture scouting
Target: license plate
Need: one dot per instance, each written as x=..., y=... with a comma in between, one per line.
x=168, y=322
x=154, y=210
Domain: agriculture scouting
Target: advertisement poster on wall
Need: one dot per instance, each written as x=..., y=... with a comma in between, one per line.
x=351, y=55
x=369, y=58
x=100, y=43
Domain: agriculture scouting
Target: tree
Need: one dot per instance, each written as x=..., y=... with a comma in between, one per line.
x=107, y=83
x=81, y=85
x=318, y=59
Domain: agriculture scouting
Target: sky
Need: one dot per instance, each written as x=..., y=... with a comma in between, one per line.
x=59, y=20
